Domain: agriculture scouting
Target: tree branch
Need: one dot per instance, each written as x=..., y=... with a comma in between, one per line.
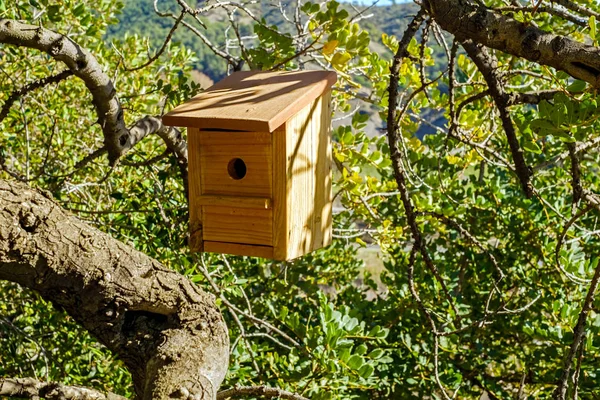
x=17, y=94
x=171, y=136
x=34, y=389
x=262, y=391
x=469, y=21
x=169, y=333
x=487, y=65
x=81, y=63
x=396, y=155
x=530, y=97
x=578, y=334
x=568, y=4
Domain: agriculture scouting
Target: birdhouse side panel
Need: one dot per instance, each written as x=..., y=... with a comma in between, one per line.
x=324, y=195
x=308, y=173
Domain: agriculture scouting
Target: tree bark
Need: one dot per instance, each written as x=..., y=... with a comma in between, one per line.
x=467, y=20
x=169, y=333
x=32, y=388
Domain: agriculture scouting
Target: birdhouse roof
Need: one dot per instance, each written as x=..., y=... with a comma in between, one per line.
x=252, y=100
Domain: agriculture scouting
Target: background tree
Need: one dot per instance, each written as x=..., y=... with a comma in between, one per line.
x=487, y=228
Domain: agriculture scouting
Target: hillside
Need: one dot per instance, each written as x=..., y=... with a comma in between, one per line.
x=138, y=17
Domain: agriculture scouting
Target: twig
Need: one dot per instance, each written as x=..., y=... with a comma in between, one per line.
x=578, y=334
x=162, y=49
x=396, y=156
x=17, y=94
x=262, y=391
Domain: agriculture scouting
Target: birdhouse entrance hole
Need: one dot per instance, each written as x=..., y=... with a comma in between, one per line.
x=236, y=168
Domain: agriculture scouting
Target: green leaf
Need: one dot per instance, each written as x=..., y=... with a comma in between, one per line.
x=360, y=350
x=542, y=123
x=545, y=109
x=366, y=371
x=355, y=362
x=577, y=86
x=77, y=11
x=532, y=147
x=54, y=13
x=375, y=354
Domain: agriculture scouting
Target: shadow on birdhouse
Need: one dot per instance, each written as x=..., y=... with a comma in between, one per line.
x=260, y=164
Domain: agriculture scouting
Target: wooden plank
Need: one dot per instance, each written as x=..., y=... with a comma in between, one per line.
x=238, y=225
x=234, y=201
x=322, y=223
x=280, y=194
x=300, y=175
x=239, y=249
x=218, y=151
x=252, y=100
x=309, y=178
x=195, y=189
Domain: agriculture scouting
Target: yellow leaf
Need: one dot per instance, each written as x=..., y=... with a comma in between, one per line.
x=340, y=59
x=330, y=47
x=453, y=159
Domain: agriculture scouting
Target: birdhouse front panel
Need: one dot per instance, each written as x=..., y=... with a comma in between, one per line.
x=260, y=164
x=236, y=163
x=236, y=187
x=231, y=189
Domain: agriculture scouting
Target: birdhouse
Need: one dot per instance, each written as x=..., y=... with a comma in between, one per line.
x=259, y=151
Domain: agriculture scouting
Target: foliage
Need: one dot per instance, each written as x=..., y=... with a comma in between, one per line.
x=511, y=282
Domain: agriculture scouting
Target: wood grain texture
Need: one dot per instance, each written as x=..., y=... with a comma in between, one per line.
x=219, y=148
x=308, y=181
x=252, y=100
x=263, y=203
x=323, y=223
x=239, y=249
x=237, y=225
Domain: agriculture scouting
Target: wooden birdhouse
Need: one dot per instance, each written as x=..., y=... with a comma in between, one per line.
x=260, y=164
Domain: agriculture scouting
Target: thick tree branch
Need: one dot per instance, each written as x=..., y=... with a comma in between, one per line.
x=467, y=20
x=169, y=333
x=171, y=136
x=117, y=138
x=34, y=389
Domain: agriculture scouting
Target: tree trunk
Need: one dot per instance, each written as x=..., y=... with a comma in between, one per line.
x=169, y=333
